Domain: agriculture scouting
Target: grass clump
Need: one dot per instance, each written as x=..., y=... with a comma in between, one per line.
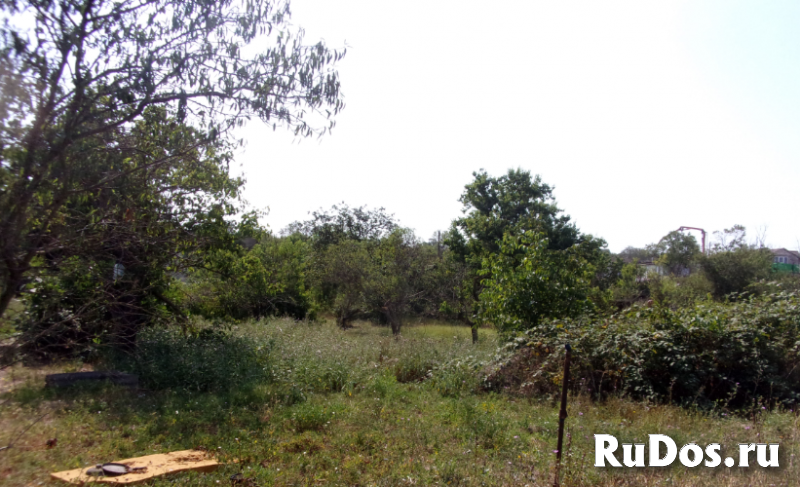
x=312, y=416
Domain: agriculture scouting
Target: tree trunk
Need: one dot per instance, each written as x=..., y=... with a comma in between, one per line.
x=12, y=285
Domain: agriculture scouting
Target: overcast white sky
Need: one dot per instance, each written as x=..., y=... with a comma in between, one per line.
x=644, y=115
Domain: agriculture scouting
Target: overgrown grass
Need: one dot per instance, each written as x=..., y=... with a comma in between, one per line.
x=309, y=404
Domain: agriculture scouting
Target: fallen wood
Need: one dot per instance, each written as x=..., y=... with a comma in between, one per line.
x=154, y=466
x=67, y=380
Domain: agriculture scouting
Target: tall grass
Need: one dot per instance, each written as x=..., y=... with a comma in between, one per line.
x=289, y=404
x=307, y=357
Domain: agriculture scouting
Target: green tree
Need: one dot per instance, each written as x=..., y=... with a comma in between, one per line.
x=733, y=265
x=527, y=283
x=268, y=279
x=678, y=252
x=76, y=71
x=161, y=199
x=399, y=266
x=342, y=223
x=509, y=205
x=342, y=270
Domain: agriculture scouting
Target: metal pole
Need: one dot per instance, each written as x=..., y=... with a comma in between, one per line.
x=562, y=415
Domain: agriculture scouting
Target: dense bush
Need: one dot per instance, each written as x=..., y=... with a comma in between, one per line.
x=732, y=271
x=707, y=354
x=86, y=304
x=269, y=279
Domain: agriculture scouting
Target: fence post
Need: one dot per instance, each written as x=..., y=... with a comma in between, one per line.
x=562, y=415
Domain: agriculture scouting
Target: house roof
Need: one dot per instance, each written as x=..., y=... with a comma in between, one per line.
x=785, y=252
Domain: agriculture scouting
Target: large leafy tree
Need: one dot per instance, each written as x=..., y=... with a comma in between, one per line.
x=74, y=71
x=109, y=268
x=509, y=205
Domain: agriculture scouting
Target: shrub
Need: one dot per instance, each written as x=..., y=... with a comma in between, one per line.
x=732, y=271
x=711, y=353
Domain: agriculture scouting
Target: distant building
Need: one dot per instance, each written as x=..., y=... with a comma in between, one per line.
x=651, y=268
x=783, y=256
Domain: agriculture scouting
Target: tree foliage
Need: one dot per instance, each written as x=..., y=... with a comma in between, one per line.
x=76, y=72
x=114, y=251
x=678, y=252
x=733, y=265
x=271, y=278
x=342, y=223
x=527, y=283
x=498, y=210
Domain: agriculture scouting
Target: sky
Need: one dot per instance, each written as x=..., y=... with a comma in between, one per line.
x=644, y=115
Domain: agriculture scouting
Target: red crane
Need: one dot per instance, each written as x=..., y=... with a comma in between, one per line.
x=702, y=233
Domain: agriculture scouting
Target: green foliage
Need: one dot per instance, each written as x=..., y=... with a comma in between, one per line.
x=732, y=271
x=678, y=252
x=342, y=223
x=340, y=274
x=268, y=279
x=508, y=207
x=312, y=416
x=81, y=84
x=710, y=354
x=527, y=283
x=630, y=286
x=120, y=247
x=676, y=292
x=399, y=266
x=510, y=204
x=207, y=361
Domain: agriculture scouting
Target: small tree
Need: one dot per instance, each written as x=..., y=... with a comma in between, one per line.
x=678, y=252
x=733, y=265
x=341, y=273
x=399, y=266
x=526, y=283
x=500, y=207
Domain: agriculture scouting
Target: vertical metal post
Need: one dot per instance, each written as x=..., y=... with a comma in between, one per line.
x=562, y=415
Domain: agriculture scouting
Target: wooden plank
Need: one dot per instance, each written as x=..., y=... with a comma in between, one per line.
x=157, y=465
x=66, y=380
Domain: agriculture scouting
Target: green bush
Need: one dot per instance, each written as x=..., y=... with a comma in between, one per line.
x=679, y=292
x=709, y=354
x=732, y=271
x=267, y=280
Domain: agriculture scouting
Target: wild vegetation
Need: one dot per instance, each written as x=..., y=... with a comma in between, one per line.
x=297, y=403
x=344, y=350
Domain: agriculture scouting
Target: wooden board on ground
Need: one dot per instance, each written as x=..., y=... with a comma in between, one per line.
x=157, y=465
